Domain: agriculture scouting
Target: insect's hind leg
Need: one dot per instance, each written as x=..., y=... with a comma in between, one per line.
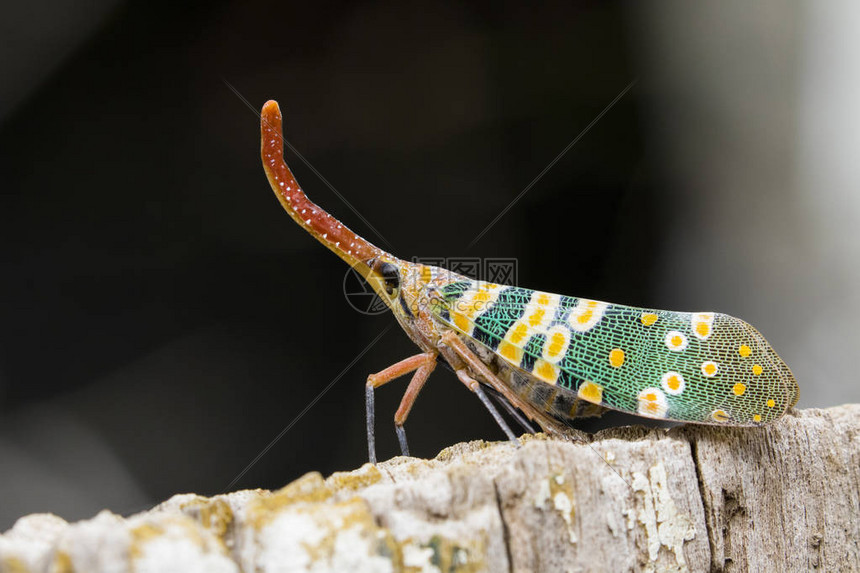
x=512, y=410
x=475, y=387
x=422, y=365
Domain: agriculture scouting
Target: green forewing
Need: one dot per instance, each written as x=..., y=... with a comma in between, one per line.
x=694, y=367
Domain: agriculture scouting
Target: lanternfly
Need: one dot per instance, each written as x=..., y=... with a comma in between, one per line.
x=550, y=357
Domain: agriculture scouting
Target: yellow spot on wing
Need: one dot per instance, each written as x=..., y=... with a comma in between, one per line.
x=709, y=368
x=477, y=303
x=616, y=357
x=481, y=296
x=702, y=323
x=519, y=333
x=536, y=318
x=510, y=352
x=586, y=314
x=556, y=344
x=756, y=417
x=676, y=341
x=739, y=389
x=539, y=311
x=546, y=371
x=771, y=403
x=720, y=416
x=744, y=350
x=652, y=402
x=462, y=323
x=672, y=383
x=648, y=318
x=555, y=347
x=591, y=392
x=756, y=369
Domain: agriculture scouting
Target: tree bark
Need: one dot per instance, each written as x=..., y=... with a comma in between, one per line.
x=692, y=498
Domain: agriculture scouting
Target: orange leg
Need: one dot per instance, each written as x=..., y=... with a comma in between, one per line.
x=422, y=365
x=401, y=368
x=412, y=390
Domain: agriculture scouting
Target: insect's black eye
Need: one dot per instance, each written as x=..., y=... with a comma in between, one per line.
x=391, y=276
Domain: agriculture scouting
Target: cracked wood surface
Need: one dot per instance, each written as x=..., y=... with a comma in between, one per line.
x=781, y=498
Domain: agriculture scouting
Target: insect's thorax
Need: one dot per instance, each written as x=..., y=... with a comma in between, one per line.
x=418, y=302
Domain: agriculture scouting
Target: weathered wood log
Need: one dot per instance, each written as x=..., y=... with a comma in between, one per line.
x=781, y=498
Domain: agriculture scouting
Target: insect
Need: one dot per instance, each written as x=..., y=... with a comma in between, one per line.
x=548, y=356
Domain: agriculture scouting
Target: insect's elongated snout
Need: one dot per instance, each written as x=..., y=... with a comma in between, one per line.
x=338, y=238
x=379, y=268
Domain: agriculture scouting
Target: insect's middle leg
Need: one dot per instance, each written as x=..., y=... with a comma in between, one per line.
x=422, y=365
x=451, y=340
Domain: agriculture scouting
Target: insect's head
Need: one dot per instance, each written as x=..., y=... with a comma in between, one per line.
x=386, y=275
x=405, y=287
x=390, y=278
x=385, y=279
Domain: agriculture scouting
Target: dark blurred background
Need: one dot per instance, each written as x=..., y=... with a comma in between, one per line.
x=163, y=320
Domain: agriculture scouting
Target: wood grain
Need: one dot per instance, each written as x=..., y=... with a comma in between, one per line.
x=781, y=498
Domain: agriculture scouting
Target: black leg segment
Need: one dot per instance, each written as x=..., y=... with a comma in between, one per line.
x=495, y=413
x=371, y=436
x=401, y=437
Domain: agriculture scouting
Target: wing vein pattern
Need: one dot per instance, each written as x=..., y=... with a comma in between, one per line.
x=700, y=367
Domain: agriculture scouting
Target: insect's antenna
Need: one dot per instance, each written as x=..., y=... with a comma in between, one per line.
x=315, y=220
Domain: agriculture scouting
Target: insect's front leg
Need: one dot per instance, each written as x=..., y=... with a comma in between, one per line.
x=422, y=365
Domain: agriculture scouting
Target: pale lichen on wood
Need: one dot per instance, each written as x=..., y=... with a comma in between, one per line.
x=781, y=498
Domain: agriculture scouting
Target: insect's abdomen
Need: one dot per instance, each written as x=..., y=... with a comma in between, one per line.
x=552, y=400
x=695, y=367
